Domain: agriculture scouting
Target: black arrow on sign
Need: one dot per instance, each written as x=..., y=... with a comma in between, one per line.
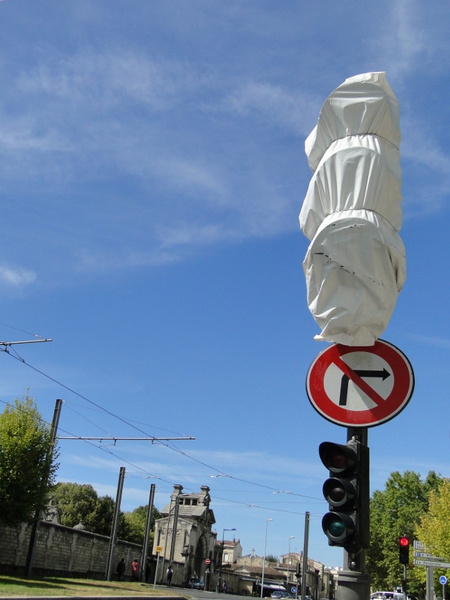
x=381, y=374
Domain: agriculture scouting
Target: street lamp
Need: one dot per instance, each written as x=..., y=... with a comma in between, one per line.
x=221, y=560
x=292, y=537
x=264, y=559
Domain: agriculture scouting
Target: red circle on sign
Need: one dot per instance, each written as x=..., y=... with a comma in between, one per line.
x=383, y=408
x=207, y=561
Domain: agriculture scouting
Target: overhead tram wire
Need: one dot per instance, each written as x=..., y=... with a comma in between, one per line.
x=72, y=391
x=35, y=335
x=219, y=473
x=108, y=450
x=153, y=476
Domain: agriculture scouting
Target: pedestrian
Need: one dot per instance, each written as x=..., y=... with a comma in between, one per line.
x=224, y=587
x=135, y=570
x=169, y=575
x=147, y=571
x=120, y=569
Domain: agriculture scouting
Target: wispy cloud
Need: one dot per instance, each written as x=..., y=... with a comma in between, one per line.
x=290, y=109
x=403, y=41
x=436, y=342
x=16, y=278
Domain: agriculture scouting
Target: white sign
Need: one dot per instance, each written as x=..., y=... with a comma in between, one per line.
x=427, y=555
x=431, y=563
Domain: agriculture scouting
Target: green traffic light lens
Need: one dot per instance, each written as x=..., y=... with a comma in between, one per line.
x=336, y=528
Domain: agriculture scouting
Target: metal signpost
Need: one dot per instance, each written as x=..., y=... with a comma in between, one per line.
x=355, y=267
x=355, y=387
x=443, y=582
x=424, y=558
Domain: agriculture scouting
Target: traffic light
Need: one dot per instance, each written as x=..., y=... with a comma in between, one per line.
x=403, y=550
x=347, y=492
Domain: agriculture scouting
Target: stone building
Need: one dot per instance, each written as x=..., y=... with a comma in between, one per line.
x=184, y=534
x=231, y=551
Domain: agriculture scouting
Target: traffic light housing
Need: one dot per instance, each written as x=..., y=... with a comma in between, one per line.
x=403, y=550
x=347, y=493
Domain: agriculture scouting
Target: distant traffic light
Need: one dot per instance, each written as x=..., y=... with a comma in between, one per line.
x=347, y=492
x=403, y=548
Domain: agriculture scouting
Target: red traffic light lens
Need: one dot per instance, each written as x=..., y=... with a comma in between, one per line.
x=336, y=458
x=339, y=458
x=404, y=542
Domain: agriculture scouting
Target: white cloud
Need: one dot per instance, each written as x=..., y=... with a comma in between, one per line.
x=435, y=341
x=16, y=278
x=403, y=41
x=275, y=105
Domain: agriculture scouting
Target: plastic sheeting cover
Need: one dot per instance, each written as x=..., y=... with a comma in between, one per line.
x=355, y=265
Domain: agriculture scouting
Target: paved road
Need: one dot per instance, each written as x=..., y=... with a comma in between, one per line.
x=161, y=592
x=202, y=595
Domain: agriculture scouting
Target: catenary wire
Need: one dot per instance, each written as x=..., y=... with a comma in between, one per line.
x=170, y=446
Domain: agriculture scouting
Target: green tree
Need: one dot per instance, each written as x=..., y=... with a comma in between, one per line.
x=80, y=503
x=136, y=521
x=394, y=512
x=76, y=503
x=102, y=518
x=27, y=461
x=433, y=528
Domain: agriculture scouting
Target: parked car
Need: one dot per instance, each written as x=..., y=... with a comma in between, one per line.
x=387, y=596
x=279, y=594
x=197, y=583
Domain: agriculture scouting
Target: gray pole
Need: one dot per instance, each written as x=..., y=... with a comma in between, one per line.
x=174, y=530
x=35, y=525
x=305, y=555
x=115, y=523
x=264, y=559
x=147, y=531
x=430, y=583
x=353, y=580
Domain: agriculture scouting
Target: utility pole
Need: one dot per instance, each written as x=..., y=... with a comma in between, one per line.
x=36, y=520
x=175, y=509
x=305, y=555
x=147, y=532
x=115, y=523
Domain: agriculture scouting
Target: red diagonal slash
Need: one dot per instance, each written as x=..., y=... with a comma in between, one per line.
x=359, y=381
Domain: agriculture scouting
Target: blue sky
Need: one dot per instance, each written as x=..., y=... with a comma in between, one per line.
x=152, y=170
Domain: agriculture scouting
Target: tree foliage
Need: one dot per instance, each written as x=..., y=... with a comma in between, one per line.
x=136, y=521
x=27, y=461
x=433, y=528
x=80, y=503
x=394, y=512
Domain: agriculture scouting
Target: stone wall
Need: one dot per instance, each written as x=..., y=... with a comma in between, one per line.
x=62, y=551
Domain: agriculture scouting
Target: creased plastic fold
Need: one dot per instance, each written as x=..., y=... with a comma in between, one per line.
x=355, y=265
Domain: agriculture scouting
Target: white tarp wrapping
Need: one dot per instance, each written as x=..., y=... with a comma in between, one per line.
x=355, y=265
